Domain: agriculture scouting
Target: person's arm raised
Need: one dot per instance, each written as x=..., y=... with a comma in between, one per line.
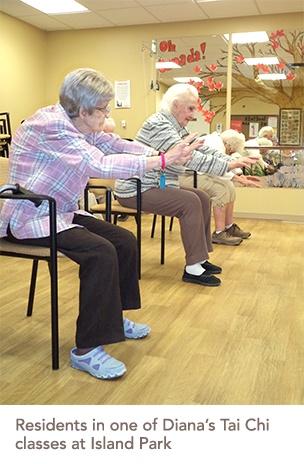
x=176, y=156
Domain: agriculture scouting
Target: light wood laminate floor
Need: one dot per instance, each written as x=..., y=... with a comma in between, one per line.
x=240, y=343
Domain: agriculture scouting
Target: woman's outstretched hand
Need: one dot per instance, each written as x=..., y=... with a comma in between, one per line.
x=243, y=162
x=179, y=155
x=251, y=181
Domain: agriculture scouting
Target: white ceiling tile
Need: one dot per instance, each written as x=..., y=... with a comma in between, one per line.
x=280, y=6
x=99, y=5
x=129, y=16
x=233, y=8
x=45, y=22
x=83, y=20
x=177, y=12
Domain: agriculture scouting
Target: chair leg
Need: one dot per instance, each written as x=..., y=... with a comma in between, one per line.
x=32, y=288
x=54, y=314
x=138, y=236
x=171, y=224
x=162, y=246
x=153, y=225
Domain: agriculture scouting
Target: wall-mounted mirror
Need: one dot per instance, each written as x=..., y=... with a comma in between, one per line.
x=242, y=85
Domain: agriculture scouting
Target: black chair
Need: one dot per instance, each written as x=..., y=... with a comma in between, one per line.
x=5, y=134
x=36, y=254
x=163, y=225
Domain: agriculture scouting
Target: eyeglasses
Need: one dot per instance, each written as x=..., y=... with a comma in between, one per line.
x=106, y=110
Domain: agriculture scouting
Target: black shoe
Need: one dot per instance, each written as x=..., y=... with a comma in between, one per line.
x=122, y=217
x=206, y=279
x=212, y=268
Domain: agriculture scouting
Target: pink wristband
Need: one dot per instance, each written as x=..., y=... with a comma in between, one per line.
x=163, y=161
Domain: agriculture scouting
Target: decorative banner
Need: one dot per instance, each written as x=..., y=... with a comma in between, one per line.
x=192, y=57
x=122, y=94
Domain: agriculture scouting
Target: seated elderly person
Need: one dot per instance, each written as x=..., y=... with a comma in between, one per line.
x=221, y=190
x=191, y=206
x=267, y=156
x=54, y=152
x=267, y=132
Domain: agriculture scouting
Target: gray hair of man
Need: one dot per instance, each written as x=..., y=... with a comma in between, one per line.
x=84, y=88
x=234, y=140
x=178, y=92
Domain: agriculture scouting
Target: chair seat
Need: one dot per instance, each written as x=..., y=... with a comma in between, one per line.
x=115, y=208
x=26, y=250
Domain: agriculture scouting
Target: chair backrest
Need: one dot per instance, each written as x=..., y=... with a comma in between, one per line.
x=98, y=182
x=4, y=163
x=5, y=124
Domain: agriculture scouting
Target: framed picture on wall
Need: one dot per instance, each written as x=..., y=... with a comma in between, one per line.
x=290, y=126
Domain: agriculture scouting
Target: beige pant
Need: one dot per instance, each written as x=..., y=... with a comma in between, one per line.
x=219, y=190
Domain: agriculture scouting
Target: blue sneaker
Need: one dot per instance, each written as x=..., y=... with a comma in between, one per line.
x=98, y=363
x=134, y=329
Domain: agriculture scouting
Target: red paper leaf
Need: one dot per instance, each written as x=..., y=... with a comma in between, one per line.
x=218, y=85
x=212, y=67
x=240, y=59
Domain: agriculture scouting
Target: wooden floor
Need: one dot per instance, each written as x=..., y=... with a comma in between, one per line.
x=240, y=343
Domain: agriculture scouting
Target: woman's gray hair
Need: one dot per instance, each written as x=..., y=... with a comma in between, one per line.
x=84, y=88
x=266, y=130
x=263, y=141
x=234, y=140
x=177, y=92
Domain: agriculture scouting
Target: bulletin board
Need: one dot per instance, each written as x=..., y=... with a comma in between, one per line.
x=250, y=125
x=290, y=126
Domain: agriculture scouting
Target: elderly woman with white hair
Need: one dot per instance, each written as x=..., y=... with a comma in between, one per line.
x=191, y=206
x=221, y=190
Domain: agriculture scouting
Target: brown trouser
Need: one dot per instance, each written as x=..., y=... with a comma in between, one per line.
x=192, y=208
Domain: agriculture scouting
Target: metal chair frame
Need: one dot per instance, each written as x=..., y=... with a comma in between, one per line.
x=163, y=225
x=19, y=193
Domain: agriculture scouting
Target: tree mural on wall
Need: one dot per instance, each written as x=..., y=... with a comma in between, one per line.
x=288, y=47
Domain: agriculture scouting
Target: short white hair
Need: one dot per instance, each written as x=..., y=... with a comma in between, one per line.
x=175, y=93
x=266, y=130
x=263, y=142
x=234, y=140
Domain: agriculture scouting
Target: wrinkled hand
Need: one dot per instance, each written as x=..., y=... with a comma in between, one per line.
x=243, y=162
x=179, y=155
x=193, y=141
x=247, y=180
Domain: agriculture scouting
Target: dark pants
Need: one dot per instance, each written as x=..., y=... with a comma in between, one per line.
x=107, y=258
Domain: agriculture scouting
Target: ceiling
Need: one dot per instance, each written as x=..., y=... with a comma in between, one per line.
x=111, y=13
x=117, y=13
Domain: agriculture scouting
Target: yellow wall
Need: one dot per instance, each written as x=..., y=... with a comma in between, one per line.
x=285, y=204
x=23, y=68
x=34, y=62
